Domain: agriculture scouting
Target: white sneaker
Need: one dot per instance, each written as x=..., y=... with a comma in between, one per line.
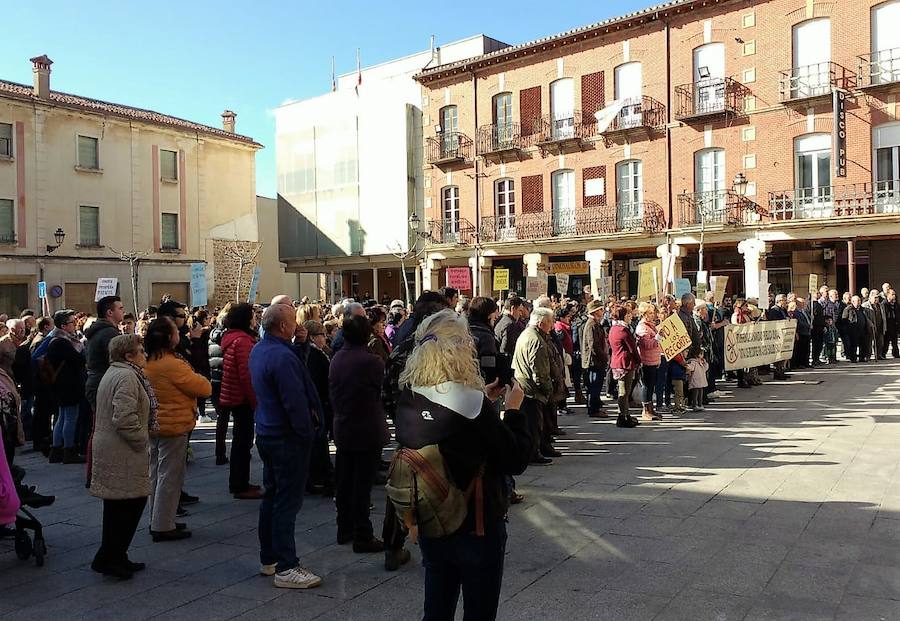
x=267, y=570
x=297, y=578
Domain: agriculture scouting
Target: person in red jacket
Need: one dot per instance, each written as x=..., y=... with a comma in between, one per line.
x=237, y=397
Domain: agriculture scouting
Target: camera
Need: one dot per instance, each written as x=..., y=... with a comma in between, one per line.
x=498, y=366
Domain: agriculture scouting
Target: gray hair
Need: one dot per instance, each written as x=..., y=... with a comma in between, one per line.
x=539, y=315
x=351, y=309
x=337, y=310
x=12, y=324
x=687, y=298
x=274, y=315
x=543, y=301
x=122, y=345
x=779, y=297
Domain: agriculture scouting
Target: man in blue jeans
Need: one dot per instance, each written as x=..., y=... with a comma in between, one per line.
x=287, y=420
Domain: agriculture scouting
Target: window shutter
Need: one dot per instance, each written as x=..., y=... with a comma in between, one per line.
x=6, y=139
x=169, y=231
x=530, y=110
x=87, y=152
x=594, y=172
x=533, y=194
x=593, y=96
x=168, y=164
x=7, y=220
x=89, y=225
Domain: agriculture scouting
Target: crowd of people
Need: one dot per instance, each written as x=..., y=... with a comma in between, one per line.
x=475, y=389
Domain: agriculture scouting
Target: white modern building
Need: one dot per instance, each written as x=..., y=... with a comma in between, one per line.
x=349, y=167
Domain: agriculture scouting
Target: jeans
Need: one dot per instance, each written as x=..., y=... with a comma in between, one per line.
x=469, y=562
x=241, y=444
x=625, y=386
x=285, y=465
x=648, y=383
x=663, y=386
x=355, y=473
x=120, y=521
x=64, y=429
x=167, y=467
x=595, y=388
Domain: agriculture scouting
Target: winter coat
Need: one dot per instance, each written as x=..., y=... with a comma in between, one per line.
x=531, y=364
x=623, y=348
x=688, y=320
x=697, y=368
x=177, y=389
x=120, y=453
x=214, y=352
x=237, y=389
x=287, y=405
x=69, y=363
x=96, y=352
x=507, y=330
x=648, y=347
x=354, y=387
x=594, y=344
x=564, y=331
x=557, y=367
x=379, y=346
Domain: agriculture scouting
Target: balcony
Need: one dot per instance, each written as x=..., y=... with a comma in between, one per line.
x=448, y=148
x=879, y=69
x=647, y=217
x=802, y=84
x=497, y=141
x=858, y=199
x=555, y=133
x=718, y=207
x=708, y=98
x=451, y=231
x=641, y=115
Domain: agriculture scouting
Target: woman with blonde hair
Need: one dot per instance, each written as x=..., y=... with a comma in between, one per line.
x=446, y=403
x=650, y=353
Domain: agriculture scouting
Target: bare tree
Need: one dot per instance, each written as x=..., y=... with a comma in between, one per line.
x=415, y=252
x=243, y=257
x=133, y=258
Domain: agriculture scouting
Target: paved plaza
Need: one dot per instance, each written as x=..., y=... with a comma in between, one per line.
x=781, y=502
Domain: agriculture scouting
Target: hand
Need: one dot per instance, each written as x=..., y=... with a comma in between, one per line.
x=515, y=396
x=197, y=331
x=494, y=390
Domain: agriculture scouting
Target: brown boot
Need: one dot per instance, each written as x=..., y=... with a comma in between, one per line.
x=646, y=413
x=580, y=398
x=656, y=415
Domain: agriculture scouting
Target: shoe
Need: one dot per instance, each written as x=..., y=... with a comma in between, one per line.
x=250, y=494
x=135, y=567
x=696, y=408
x=580, y=398
x=645, y=413
x=541, y=461
x=221, y=461
x=394, y=558
x=56, y=455
x=702, y=409
x=170, y=535
x=110, y=569
x=598, y=414
x=267, y=570
x=181, y=512
x=186, y=499
x=516, y=498
x=296, y=578
x=34, y=500
x=71, y=456
x=367, y=547
x=257, y=488
x=634, y=420
x=553, y=453
x=627, y=423
x=560, y=432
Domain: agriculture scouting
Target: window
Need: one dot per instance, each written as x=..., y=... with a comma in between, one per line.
x=562, y=109
x=7, y=221
x=88, y=156
x=449, y=131
x=886, y=42
x=169, y=231
x=628, y=91
x=886, y=142
x=812, y=168
x=709, y=183
x=811, y=73
x=6, y=145
x=88, y=225
x=168, y=165
x=629, y=193
x=563, y=188
x=450, y=209
x=505, y=202
x=503, y=119
x=709, y=77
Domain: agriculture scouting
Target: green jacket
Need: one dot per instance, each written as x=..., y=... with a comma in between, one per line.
x=531, y=364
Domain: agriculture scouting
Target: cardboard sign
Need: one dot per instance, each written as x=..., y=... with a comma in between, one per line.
x=718, y=284
x=562, y=284
x=605, y=287
x=105, y=287
x=254, y=285
x=750, y=345
x=501, y=279
x=459, y=278
x=682, y=286
x=649, y=274
x=199, y=295
x=42, y=289
x=701, y=277
x=674, y=337
x=813, y=283
x=536, y=286
x=701, y=290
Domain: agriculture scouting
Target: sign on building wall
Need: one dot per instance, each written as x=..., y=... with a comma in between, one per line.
x=254, y=285
x=501, y=279
x=459, y=278
x=839, y=132
x=756, y=344
x=567, y=267
x=105, y=288
x=199, y=294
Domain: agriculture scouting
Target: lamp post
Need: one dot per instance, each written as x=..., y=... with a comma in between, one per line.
x=59, y=235
x=403, y=255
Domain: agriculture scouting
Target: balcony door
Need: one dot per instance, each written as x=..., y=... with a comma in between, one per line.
x=886, y=43
x=505, y=202
x=709, y=77
x=709, y=184
x=812, y=165
x=562, y=109
x=503, y=123
x=563, y=187
x=449, y=131
x=450, y=213
x=628, y=91
x=886, y=142
x=811, y=73
x=629, y=194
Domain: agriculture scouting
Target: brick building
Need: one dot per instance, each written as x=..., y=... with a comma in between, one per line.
x=765, y=132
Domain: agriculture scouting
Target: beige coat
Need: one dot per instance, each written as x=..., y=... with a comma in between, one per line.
x=120, y=454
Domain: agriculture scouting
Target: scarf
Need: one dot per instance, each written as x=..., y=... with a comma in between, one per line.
x=73, y=339
x=152, y=422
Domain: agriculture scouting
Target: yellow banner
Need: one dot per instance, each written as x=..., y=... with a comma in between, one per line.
x=649, y=279
x=674, y=337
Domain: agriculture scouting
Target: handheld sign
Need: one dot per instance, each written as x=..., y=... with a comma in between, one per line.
x=813, y=283
x=501, y=279
x=674, y=337
x=199, y=294
x=562, y=284
x=254, y=285
x=42, y=289
x=459, y=278
x=105, y=288
x=682, y=286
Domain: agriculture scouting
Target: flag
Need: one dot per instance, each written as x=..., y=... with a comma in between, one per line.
x=606, y=115
x=333, y=80
x=358, y=73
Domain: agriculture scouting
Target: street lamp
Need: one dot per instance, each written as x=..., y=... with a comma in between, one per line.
x=60, y=236
x=739, y=185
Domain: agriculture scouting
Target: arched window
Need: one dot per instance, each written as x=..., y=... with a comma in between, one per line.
x=505, y=207
x=629, y=193
x=562, y=187
x=503, y=121
x=885, y=64
x=886, y=144
x=562, y=108
x=812, y=175
x=709, y=77
x=811, y=73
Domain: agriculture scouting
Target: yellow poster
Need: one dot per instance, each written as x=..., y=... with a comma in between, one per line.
x=501, y=279
x=813, y=283
x=648, y=281
x=674, y=337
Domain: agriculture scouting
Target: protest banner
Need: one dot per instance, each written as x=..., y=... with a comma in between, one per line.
x=501, y=279
x=562, y=284
x=682, y=286
x=647, y=284
x=673, y=335
x=750, y=345
x=718, y=285
x=199, y=294
x=701, y=290
x=459, y=278
x=105, y=288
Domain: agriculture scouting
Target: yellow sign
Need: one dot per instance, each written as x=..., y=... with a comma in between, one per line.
x=649, y=277
x=673, y=336
x=718, y=284
x=567, y=267
x=501, y=279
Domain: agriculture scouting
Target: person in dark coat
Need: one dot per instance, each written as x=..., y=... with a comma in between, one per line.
x=215, y=378
x=65, y=360
x=321, y=470
x=482, y=314
x=110, y=312
x=855, y=329
x=817, y=310
x=360, y=433
x=511, y=324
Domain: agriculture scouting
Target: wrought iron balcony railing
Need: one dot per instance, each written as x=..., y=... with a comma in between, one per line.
x=499, y=138
x=709, y=97
x=857, y=199
x=882, y=67
x=807, y=82
x=559, y=128
x=451, y=231
x=448, y=148
x=637, y=113
x=716, y=207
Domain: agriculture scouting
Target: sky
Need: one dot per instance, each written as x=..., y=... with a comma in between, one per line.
x=195, y=58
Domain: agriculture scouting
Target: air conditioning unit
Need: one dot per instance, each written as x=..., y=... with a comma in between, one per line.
x=828, y=254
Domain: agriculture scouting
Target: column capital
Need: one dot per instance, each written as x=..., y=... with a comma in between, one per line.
x=753, y=248
x=600, y=255
x=665, y=250
x=531, y=261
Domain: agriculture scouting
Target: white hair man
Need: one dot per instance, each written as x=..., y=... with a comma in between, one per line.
x=14, y=337
x=531, y=364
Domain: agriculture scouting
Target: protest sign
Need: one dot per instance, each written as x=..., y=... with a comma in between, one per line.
x=254, y=285
x=718, y=285
x=682, y=286
x=105, y=287
x=813, y=283
x=750, y=345
x=701, y=290
x=562, y=284
x=199, y=295
x=674, y=337
x=649, y=274
x=459, y=278
x=501, y=279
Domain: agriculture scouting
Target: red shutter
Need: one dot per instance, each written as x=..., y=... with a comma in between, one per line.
x=530, y=109
x=533, y=194
x=593, y=96
x=594, y=172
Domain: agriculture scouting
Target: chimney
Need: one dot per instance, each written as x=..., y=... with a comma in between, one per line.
x=41, y=67
x=228, y=121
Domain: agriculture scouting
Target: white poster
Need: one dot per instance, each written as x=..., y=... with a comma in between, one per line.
x=106, y=287
x=750, y=345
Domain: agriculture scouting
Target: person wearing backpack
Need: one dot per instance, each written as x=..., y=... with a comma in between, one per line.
x=447, y=479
